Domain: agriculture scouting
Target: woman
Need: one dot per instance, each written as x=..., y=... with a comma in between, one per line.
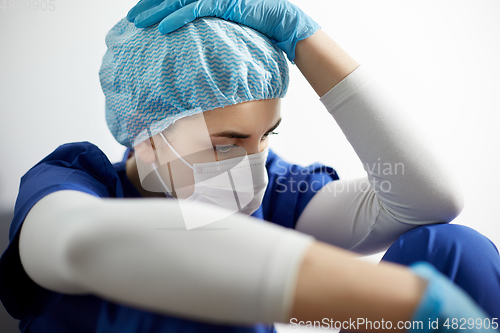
x=195, y=107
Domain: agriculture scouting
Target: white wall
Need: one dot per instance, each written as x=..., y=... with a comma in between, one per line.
x=440, y=58
x=49, y=83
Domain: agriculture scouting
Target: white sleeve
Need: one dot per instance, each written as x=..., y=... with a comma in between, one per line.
x=239, y=270
x=407, y=185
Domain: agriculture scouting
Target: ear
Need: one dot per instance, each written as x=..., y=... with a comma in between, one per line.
x=144, y=152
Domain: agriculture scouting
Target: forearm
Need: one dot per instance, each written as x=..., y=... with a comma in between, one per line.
x=322, y=62
x=331, y=284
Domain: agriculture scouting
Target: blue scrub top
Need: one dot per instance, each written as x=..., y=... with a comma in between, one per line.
x=84, y=167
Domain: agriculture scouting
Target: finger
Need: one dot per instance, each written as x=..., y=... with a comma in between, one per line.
x=179, y=18
x=158, y=13
x=140, y=7
x=214, y=8
x=200, y=8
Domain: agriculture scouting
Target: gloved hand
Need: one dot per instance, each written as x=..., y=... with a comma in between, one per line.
x=279, y=20
x=447, y=308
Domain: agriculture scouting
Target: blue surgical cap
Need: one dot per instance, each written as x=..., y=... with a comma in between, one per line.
x=150, y=80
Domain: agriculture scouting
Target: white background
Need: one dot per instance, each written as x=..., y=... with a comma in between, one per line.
x=439, y=58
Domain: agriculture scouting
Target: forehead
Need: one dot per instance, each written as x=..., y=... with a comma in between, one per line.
x=249, y=116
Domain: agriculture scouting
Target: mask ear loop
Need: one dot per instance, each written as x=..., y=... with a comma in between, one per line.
x=176, y=154
x=155, y=163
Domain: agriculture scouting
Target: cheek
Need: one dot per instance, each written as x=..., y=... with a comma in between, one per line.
x=181, y=177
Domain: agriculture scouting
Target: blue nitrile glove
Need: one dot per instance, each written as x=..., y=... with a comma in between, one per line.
x=279, y=20
x=446, y=307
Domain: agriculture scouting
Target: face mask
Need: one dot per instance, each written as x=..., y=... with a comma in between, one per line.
x=237, y=184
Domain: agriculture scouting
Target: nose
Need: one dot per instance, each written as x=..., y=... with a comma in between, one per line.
x=256, y=147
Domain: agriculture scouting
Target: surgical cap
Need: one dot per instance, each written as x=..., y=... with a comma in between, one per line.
x=150, y=80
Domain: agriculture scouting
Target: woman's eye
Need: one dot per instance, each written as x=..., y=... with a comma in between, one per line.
x=224, y=149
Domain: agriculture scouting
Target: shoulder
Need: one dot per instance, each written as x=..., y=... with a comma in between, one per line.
x=76, y=155
x=76, y=162
x=79, y=166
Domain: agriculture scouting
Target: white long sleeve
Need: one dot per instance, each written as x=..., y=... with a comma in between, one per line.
x=239, y=270
x=406, y=185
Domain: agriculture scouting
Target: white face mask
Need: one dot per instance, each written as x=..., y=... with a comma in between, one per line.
x=237, y=184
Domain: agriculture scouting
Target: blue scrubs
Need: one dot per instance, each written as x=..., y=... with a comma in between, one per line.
x=84, y=167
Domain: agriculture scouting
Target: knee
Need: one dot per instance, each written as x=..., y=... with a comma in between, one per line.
x=439, y=242
x=450, y=235
x=465, y=256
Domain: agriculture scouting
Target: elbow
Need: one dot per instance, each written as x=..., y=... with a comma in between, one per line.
x=433, y=207
x=440, y=199
x=458, y=204
x=445, y=207
x=448, y=200
x=45, y=245
x=80, y=247
x=453, y=201
x=79, y=252
x=50, y=236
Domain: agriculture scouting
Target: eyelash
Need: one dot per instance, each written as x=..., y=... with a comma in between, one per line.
x=270, y=133
x=227, y=148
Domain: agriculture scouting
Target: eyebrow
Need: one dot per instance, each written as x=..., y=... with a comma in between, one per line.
x=238, y=135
